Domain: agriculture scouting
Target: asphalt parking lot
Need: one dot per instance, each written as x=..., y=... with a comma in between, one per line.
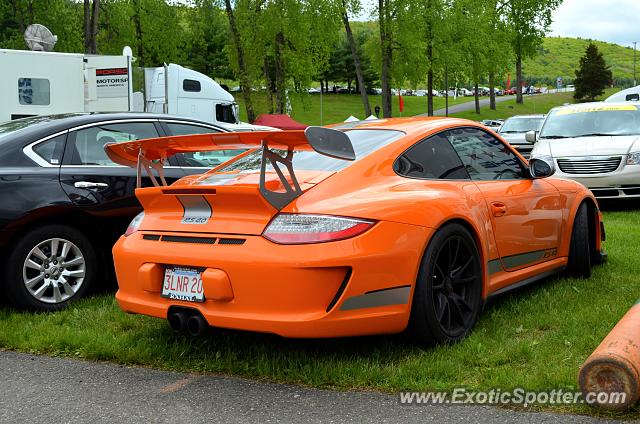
x=41, y=389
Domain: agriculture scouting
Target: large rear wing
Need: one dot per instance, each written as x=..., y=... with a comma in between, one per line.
x=151, y=154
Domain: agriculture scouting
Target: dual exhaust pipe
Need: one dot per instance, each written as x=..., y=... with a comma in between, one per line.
x=188, y=321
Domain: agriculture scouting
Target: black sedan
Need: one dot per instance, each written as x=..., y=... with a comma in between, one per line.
x=63, y=203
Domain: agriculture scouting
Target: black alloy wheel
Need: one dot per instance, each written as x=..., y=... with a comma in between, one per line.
x=448, y=295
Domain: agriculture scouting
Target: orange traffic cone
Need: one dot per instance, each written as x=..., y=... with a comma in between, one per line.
x=614, y=367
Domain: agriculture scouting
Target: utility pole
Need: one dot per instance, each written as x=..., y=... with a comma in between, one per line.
x=634, y=64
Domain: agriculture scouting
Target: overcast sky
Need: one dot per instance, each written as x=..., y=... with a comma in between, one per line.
x=616, y=21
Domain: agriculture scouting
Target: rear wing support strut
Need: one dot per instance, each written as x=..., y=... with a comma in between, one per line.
x=292, y=189
x=148, y=165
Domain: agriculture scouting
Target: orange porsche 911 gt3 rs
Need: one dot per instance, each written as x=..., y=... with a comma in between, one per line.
x=365, y=228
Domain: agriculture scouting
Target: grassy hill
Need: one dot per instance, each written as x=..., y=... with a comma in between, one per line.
x=559, y=57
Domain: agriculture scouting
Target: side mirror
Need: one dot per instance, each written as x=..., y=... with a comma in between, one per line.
x=531, y=136
x=542, y=167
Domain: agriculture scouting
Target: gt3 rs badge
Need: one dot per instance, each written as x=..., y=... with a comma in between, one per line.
x=196, y=209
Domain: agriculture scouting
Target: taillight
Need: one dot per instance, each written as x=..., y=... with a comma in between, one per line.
x=135, y=224
x=299, y=228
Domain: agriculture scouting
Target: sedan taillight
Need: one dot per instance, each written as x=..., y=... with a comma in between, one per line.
x=301, y=228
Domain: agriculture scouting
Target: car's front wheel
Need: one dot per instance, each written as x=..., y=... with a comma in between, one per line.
x=50, y=267
x=448, y=294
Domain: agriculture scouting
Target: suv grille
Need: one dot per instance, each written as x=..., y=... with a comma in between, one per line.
x=589, y=166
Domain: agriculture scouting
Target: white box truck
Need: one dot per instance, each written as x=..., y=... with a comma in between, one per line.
x=44, y=83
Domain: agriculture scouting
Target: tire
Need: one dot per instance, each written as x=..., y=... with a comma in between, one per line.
x=34, y=270
x=579, y=265
x=445, y=309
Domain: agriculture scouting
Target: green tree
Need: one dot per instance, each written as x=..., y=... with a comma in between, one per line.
x=528, y=21
x=206, y=39
x=354, y=6
x=592, y=76
x=239, y=17
x=499, y=48
x=397, y=55
x=91, y=18
x=159, y=33
x=434, y=27
x=298, y=36
x=62, y=17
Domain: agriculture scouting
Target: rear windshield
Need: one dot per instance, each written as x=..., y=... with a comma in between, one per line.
x=364, y=143
x=12, y=127
x=597, y=120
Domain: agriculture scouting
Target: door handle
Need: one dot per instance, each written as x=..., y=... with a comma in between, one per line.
x=90, y=184
x=498, y=208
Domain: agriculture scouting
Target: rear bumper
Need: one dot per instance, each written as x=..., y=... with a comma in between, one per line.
x=316, y=290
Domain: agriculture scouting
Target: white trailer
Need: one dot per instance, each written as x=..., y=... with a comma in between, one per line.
x=44, y=83
x=629, y=95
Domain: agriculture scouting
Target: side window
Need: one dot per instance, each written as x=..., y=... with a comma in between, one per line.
x=433, y=158
x=51, y=150
x=484, y=156
x=186, y=129
x=191, y=85
x=88, y=147
x=33, y=91
x=225, y=113
x=201, y=159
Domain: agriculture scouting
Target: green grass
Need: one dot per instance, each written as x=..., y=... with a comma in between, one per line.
x=337, y=107
x=536, y=338
x=539, y=103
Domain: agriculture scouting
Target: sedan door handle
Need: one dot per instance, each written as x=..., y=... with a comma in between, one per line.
x=498, y=208
x=90, y=184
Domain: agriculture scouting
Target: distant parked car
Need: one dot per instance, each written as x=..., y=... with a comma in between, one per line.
x=514, y=129
x=596, y=144
x=464, y=92
x=64, y=202
x=494, y=124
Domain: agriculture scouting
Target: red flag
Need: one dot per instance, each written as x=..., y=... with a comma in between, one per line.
x=400, y=101
x=508, y=81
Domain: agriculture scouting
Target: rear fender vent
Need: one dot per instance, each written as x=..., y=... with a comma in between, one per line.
x=231, y=241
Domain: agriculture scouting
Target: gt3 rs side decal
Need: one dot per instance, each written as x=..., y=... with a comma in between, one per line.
x=385, y=297
x=522, y=259
x=196, y=209
x=494, y=266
